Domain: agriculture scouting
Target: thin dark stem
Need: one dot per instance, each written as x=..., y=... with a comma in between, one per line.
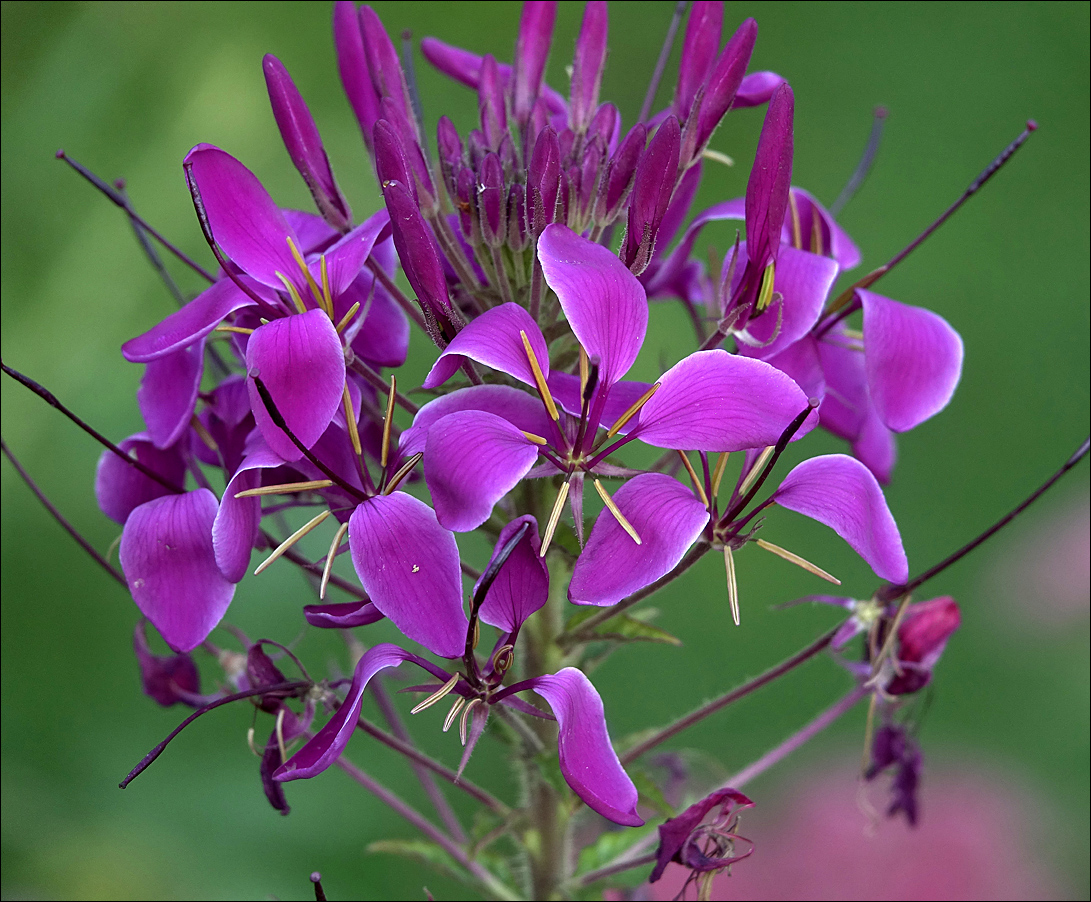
x=149, y=249
x=734, y=695
x=147, y=760
x=316, y=569
x=121, y=201
x=46, y=395
x=889, y=593
x=65, y=525
x=410, y=72
x=661, y=63
x=395, y=292
x=865, y=164
x=362, y=369
x=617, y=868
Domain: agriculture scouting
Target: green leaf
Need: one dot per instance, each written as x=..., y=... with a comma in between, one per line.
x=610, y=846
x=424, y=852
x=650, y=793
x=624, y=627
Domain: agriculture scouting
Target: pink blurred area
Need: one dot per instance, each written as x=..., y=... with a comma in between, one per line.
x=981, y=836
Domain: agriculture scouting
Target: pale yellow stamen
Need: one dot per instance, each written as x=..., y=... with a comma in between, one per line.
x=453, y=713
x=888, y=645
x=717, y=157
x=585, y=372
x=755, y=470
x=465, y=716
x=539, y=378
x=797, y=230
x=718, y=472
x=280, y=735
x=388, y=421
x=403, y=471
x=326, y=296
x=250, y=742
x=311, y=283
x=203, y=435
x=554, y=517
x=436, y=696
x=334, y=545
x=618, y=515
x=347, y=317
x=292, y=293
x=291, y=540
x=693, y=476
x=350, y=420
x=816, y=234
x=732, y=584
x=537, y=439
x=765, y=294
x=798, y=561
x=238, y=330
x=633, y=410
x=286, y=488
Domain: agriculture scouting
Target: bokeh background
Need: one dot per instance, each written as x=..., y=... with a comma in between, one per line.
x=128, y=88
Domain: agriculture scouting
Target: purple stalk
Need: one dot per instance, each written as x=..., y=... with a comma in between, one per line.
x=661, y=63
x=865, y=164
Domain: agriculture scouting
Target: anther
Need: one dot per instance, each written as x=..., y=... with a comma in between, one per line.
x=238, y=330
x=539, y=378
x=280, y=735
x=618, y=515
x=554, y=517
x=709, y=154
x=632, y=411
x=326, y=296
x=302, y=264
x=296, y=299
x=465, y=716
x=203, y=434
x=700, y=489
x=765, y=293
x=403, y=471
x=503, y=659
x=453, y=713
x=334, y=545
x=732, y=584
x=718, y=472
x=347, y=317
x=759, y=464
x=250, y=742
x=797, y=230
x=388, y=420
x=285, y=488
x=291, y=540
x=798, y=561
x=436, y=696
x=537, y=439
x=350, y=420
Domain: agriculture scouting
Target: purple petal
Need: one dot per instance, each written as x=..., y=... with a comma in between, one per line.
x=845, y=405
x=472, y=459
x=417, y=249
x=668, y=519
x=588, y=64
x=329, y=742
x=383, y=64
x=167, y=680
x=302, y=364
x=238, y=519
x=313, y=231
x=675, y=834
x=565, y=388
x=653, y=186
x=699, y=48
x=522, y=585
x=168, y=393
x=119, y=487
x=875, y=447
x=342, y=616
x=346, y=258
x=770, y=179
x=603, y=302
x=588, y=760
x=531, y=53
x=381, y=336
x=167, y=556
x=834, y=240
x=725, y=79
x=757, y=88
x=352, y=66
x=493, y=339
x=304, y=144
x=187, y=325
x=843, y=494
x=913, y=359
x=524, y=411
x=242, y=217
x=408, y=566
x=716, y=401
x=801, y=363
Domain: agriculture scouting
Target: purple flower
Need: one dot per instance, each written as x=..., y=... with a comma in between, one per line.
x=702, y=847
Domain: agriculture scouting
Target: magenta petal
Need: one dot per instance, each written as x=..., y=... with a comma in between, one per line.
x=408, y=565
x=167, y=556
x=168, y=393
x=521, y=409
x=836, y=242
x=472, y=459
x=770, y=179
x=588, y=760
x=379, y=333
x=531, y=54
x=522, y=585
x=756, y=89
x=329, y=742
x=346, y=258
x=119, y=487
x=875, y=447
x=244, y=221
x=604, y=303
x=343, y=615
x=913, y=359
x=352, y=66
x=238, y=519
x=843, y=494
x=565, y=388
x=493, y=339
x=801, y=363
x=187, y=325
x=668, y=519
x=300, y=361
x=716, y=401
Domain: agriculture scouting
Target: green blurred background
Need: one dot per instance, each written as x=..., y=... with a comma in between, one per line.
x=128, y=88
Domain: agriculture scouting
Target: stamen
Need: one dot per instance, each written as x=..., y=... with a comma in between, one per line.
x=296, y=299
x=237, y=329
x=633, y=410
x=436, y=696
x=250, y=742
x=503, y=659
x=280, y=735
x=453, y=713
x=765, y=293
x=732, y=584
x=797, y=230
x=350, y=420
x=403, y=471
x=718, y=473
x=465, y=716
x=537, y=439
x=539, y=378
x=285, y=488
x=618, y=515
x=388, y=421
x=348, y=316
x=816, y=235
x=709, y=154
x=302, y=264
x=756, y=469
x=555, y=516
x=693, y=475
x=585, y=372
x=203, y=434
x=326, y=296
x=798, y=561
x=888, y=645
x=334, y=545
x=291, y=540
